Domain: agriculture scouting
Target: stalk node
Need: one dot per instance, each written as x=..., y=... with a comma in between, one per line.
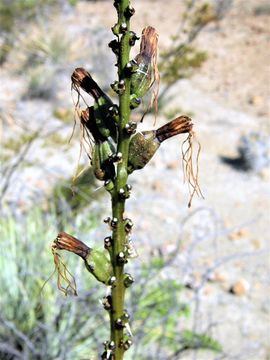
x=133, y=38
x=117, y=157
x=124, y=193
x=116, y=29
x=114, y=222
x=128, y=280
x=130, y=11
x=112, y=345
x=114, y=45
x=123, y=28
x=121, y=258
x=109, y=185
x=131, y=127
x=119, y=323
x=112, y=281
x=118, y=87
x=134, y=102
x=127, y=344
x=107, y=242
x=107, y=302
x=131, y=67
x=128, y=225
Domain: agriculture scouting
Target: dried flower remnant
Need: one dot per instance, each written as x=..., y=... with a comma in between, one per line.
x=102, y=148
x=67, y=242
x=63, y=274
x=95, y=261
x=191, y=174
x=146, y=73
x=104, y=109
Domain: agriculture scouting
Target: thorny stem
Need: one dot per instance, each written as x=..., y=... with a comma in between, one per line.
x=118, y=204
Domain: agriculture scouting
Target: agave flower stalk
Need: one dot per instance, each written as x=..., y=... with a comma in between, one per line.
x=116, y=151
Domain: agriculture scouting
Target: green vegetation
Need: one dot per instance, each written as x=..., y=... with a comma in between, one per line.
x=37, y=322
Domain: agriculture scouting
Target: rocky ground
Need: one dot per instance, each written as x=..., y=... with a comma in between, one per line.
x=224, y=257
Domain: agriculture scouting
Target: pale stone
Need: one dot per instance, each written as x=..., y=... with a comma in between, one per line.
x=240, y=287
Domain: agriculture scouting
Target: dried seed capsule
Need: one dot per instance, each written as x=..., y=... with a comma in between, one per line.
x=144, y=145
x=143, y=78
x=105, y=123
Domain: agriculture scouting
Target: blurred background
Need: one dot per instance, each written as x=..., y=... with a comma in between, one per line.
x=202, y=280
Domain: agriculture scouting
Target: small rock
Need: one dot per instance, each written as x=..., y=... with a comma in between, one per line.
x=257, y=243
x=265, y=174
x=240, y=287
x=255, y=100
x=172, y=165
x=220, y=277
x=238, y=234
x=208, y=290
x=157, y=186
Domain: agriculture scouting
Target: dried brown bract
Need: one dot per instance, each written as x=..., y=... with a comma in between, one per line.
x=148, y=53
x=180, y=125
x=67, y=242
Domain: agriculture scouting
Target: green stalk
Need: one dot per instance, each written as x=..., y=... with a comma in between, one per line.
x=118, y=202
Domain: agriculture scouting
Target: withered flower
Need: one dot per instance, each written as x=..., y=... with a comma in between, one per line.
x=67, y=242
